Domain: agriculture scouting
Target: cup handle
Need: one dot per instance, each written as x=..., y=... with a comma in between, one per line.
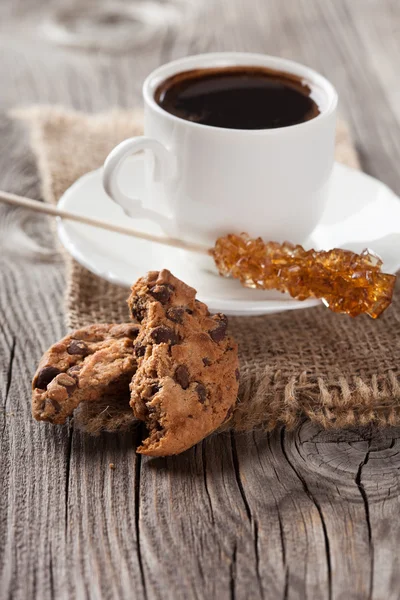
x=163, y=169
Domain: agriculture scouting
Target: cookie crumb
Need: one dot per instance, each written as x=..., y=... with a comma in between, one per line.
x=112, y=466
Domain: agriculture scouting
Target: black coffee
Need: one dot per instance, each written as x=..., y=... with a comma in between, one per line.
x=238, y=98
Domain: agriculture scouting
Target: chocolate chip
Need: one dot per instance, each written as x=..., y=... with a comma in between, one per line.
x=218, y=334
x=140, y=350
x=237, y=374
x=44, y=377
x=132, y=332
x=189, y=311
x=162, y=293
x=164, y=335
x=138, y=309
x=55, y=405
x=78, y=347
x=206, y=361
x=74, y=372
x=175, y=314
x=67, y=382
x=182, y=376
x=201, y=392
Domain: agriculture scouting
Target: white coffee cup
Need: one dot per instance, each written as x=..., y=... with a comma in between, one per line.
x=204, y=181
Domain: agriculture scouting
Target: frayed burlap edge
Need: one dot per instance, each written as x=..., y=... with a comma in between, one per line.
x=272, y=400
x=270, y=394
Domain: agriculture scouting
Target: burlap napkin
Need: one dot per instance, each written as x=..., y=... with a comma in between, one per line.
x=335, y=370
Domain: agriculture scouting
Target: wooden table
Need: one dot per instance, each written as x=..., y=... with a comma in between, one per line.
x=306, y=514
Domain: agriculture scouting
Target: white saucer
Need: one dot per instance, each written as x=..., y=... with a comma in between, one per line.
x=361, y=212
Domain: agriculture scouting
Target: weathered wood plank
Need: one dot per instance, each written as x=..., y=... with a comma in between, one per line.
x=288, y=515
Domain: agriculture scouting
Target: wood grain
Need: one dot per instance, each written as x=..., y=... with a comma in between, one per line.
x=302, y=514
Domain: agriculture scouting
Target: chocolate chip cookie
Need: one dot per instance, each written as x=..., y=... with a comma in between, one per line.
x=89, y=363
x=187, y=377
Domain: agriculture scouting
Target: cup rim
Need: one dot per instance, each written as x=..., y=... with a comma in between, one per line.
x=215, y=59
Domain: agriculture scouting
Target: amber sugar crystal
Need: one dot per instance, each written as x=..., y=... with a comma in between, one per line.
x=346, y=282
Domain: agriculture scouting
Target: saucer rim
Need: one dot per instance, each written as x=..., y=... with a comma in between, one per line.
x=233, y=307
x=264, y=307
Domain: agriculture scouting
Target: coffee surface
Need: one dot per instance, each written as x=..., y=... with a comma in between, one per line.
x=238, y=98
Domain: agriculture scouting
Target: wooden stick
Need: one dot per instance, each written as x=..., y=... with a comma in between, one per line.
x=54, y=211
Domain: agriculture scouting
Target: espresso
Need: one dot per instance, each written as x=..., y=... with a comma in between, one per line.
x=238, y=98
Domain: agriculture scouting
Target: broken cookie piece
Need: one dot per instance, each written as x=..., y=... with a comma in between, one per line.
x=186, y=382
x=84, y=366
